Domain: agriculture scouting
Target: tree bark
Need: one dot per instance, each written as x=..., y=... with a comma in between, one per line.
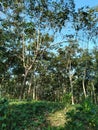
x=83, y=85
x=93, y=93
x=71, y=85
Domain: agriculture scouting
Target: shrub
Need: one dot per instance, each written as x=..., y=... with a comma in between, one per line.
x=66, y=98
x=3, y=114
x=83, y=117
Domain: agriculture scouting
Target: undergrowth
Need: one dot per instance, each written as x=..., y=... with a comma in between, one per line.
x=82, y=117
x=25, y=115
x=33, y=115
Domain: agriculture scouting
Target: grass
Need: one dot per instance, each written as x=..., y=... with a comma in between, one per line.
x=36, y=115
x=57, y=118
x=43, y=115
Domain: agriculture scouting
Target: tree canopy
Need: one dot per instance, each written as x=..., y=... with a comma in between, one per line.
x=48, y=50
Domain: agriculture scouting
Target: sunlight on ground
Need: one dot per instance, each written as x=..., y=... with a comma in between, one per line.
x=57, y=119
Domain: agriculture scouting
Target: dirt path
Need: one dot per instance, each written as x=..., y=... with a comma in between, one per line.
x=57, y=119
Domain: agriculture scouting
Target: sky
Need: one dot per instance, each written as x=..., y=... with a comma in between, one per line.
x=81, y=3
x=78, y=4
x=90, y=3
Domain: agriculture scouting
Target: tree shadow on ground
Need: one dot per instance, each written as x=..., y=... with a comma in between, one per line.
x=32, y=115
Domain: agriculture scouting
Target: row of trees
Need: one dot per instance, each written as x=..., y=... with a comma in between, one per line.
x=35, y=64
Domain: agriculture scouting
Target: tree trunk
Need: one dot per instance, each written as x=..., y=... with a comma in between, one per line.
x=71, y=85
x=83, y=85
x=70, y=79
x=93, y=93
x=84, y=90
x=24, y=82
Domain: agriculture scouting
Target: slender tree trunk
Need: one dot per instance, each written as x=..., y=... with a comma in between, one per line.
x=84, y=90
x=24, y=82
x=83, y=85
x=93, y=93
x=34, y=85
x=34, y=93
x=29, y=92
x=34, y=77
x=28, y=66
x=71, y=85
x=70, y=79
x=24, y=65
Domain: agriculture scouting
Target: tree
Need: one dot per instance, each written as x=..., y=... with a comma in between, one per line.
x=28, y=20
x=34, y=64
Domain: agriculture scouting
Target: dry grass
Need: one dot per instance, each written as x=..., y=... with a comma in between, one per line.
x=57, y=119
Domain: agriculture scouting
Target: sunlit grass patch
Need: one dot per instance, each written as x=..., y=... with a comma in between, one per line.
x=57, y=118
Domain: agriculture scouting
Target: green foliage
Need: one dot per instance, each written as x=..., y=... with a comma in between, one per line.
x=82, y=117
x=3, y=114
x=31, y=115
x=66, y=98
x=54, y=128
x=29, y=66
x=26, y=115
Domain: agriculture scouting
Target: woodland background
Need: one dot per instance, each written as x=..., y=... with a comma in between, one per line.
x=48, y=51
